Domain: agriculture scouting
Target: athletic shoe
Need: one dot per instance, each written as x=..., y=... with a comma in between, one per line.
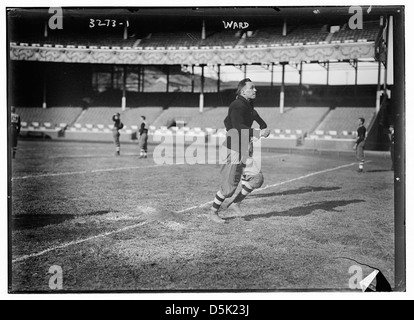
x=213, y=215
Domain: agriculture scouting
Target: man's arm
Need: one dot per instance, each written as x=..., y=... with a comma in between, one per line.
x=259, y=120
x=264, y=132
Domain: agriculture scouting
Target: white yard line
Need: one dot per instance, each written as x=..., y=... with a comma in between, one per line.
x=57, y=174
x=73, y=243
x=81, y=172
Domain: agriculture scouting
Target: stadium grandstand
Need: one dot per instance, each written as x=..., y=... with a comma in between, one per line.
x=183, y=72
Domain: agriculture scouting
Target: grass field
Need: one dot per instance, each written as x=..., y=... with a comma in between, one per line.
x=124, y=224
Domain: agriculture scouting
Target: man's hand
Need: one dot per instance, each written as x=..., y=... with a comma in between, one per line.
x=355, y=146
x=264, y=133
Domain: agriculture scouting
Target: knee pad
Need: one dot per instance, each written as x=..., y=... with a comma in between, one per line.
x=255, y=181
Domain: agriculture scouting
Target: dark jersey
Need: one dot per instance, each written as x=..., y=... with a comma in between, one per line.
x=15, y=122
x=361, y=131
x=143, y=129
x=240, y=117
x=118, y=125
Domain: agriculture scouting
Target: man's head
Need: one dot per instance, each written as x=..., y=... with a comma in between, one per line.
x=246, y=89
x=13, y=109
x=361, y=121
x=143, y=118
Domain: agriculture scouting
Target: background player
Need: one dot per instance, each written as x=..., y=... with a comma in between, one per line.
x=238, y=122
x=360, y=143
x=143, y=138
x=14, y=130
x=118, y=125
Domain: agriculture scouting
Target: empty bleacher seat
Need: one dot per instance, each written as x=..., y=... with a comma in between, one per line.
x=50, y=115
x=344, y=119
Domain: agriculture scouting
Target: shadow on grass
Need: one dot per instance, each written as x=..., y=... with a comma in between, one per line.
x=33, y=221
x=330, y=206
x=301, y=190
x=379, y=170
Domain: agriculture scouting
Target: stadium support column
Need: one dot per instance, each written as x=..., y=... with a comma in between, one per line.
x=203, y=30
x=139, y=78
x=356, y=79
x=192, y=79
x=378, y=99
x=168, y=78
x=201, y=101
x=142, y=78
x=123, y=103
x=327, y=73
x=389, y=71
x=272, y=71
x=398, y=103
x=282, y=90
x=300, y=82
x=44, y=103
x=218, y=78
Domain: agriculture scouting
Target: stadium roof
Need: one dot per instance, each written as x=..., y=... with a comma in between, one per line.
x=76, y=41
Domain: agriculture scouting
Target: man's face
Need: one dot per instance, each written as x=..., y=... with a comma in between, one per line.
x=249, y=91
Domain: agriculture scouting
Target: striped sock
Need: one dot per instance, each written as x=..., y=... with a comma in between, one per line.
x=218, y=200
x=246, y=190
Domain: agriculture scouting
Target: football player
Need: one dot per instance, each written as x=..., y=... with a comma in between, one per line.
x=14, y=130
x=240, y=134
x=143, y=138
x=360, y=144
x=118, y=125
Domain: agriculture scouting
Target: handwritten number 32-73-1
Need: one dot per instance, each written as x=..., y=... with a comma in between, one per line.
x=102, y=23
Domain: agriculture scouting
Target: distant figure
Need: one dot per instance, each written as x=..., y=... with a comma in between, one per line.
x=360, y=143
x=14, y=130
x=143, y=138
x=118, y=125
x=391, y=137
